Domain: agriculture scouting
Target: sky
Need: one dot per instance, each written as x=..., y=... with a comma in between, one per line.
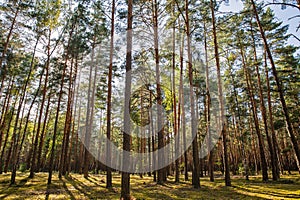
x=282, y=15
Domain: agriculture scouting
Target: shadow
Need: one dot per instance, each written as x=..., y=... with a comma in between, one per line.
x=82, y=188
x=94, y=181
x=47, y=192
x=67, y=190
x=54, y=189
x=256, y=190
x=172, y=190
x=11, y=189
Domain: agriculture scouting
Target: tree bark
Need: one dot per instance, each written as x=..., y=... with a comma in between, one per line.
x=5, y=47
x=109, y=92
x=36, y=141
x=274, y=162
x=279, y=88
x=207, y=113
x=274, y=137
x=195, y=174
x=125, y=179
x=52, y=153
x=255, y=117
x=220, y=97
x=16, y=136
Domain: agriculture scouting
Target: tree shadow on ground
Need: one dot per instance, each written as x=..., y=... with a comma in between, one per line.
x=96, y=191
x=269, y=189
x=12, y=189
x=185, y=190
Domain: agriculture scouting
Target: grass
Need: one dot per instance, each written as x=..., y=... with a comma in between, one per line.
x=75, y=186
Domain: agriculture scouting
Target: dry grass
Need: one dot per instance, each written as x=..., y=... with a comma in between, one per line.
x=76, y=187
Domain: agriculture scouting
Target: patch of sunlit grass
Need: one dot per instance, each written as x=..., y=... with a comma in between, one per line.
x=75, y=186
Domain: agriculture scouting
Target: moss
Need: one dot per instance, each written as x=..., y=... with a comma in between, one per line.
x=75, y=186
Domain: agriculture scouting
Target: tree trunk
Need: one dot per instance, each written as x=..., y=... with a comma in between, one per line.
x=34, y=154
x=5, y=116
x=160, y=177
x=239, y=127
x=274, y=138
x=16, y=136
x=280, y=90
x=52, y=153
x=109, y=92
x=67, y=127
x=175, y=125
x=5, y=47
x=186, y=176
x=274, y=162
x=195, y=175
x=125, y=180
x=220, y=97
x=207, y=113
x=88, y=120
x=255, y=117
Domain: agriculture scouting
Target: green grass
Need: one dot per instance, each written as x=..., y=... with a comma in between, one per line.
x=76, y=187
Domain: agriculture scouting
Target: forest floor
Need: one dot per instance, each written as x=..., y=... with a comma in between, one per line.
x=76, y=187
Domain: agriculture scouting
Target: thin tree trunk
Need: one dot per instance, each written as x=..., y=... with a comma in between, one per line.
x=280, y=90
x=28, y=115
x=75, y=92
x=52, y=154
x=5, y=115
x=274, y=138
x=186, y=176
x=34, y=154
x=67, y=127
x=153, y=142
x=160, y=177
x=9, y=151
x=88, y=117
x=175, y=126
x=207, y=113
x=125, y=179
x=28, y=160
x=16, y=136
x=239, y=128
x=255, y=117
x=5, y=47
x=42, y=137
x=109, y=92
x=274, y=162
x=195, y=175
x=220, y=97
x=5, y=107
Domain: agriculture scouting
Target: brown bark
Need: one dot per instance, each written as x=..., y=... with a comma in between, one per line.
x=88, y=120
x=109, y=92
x=5, y=112
x=220, y=97
x=160, y=175
x=5, y=47
x=174, y=108
x=182, y=109
x=125, y=179
x=52, y=153
x=239, y=128
x=271, y=121
x=67, y=126
x=195, y=174
x=255, y=117
x=16, y=131
x=207, y=113
x=279, y=88
x=34, y=154
x=274, y=162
